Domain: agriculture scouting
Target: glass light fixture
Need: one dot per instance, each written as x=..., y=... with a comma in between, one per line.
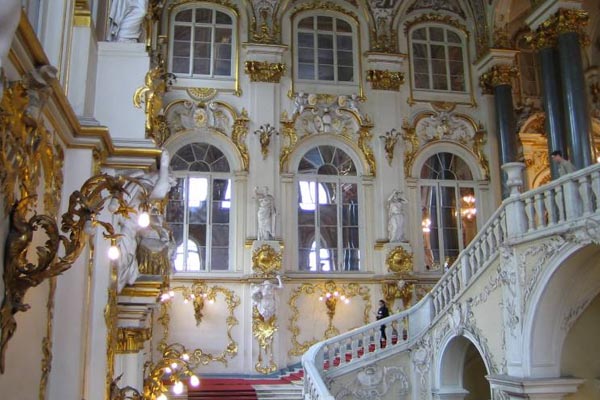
x=144, y=219
x=113, y=250
x=178, y=387
x=194, y=381
x=162, y=397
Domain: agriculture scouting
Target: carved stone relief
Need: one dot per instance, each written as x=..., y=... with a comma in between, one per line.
x=374, y=382
x=452, y=6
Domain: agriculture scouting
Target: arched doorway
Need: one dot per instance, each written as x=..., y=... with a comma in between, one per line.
x=462, y=373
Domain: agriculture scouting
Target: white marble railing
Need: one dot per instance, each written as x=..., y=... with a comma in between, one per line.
x=521, y=217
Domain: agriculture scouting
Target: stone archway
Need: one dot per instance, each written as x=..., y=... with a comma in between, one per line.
x=462, y=372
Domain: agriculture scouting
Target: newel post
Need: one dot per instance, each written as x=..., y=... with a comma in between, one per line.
x=516, y=219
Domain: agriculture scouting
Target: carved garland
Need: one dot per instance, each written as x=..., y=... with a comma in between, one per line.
x=350, y=290
x=385, y=79
x=198, y=356
x=264, y=71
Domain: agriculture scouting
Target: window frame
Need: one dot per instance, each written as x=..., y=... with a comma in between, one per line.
x=312, y=85
x=421, y=94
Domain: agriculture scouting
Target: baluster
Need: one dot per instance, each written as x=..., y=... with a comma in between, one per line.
x=530, y=212
x=457, y=282
x=596, y=188
x=584, y=192
x=472, y=261
x=484, y=247
x=560, y=203
x=549, y=204
x=490, y=241
x=539, y=210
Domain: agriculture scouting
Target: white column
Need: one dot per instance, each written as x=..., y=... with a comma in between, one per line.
x=82, y=71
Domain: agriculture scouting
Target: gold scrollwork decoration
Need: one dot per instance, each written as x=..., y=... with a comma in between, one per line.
x=238, y=136
x=263, y=71
x=156, y=83
x=390, y=139
x=409, y=135
x=27, y=150
x=264, y=332
x=111, y=316
x=501, y=74
x=478, y=142
x=399, y=261
x=397, y=289
x=439, y=18
x=199, y=356
x=348, y=290
x=202, y=94
x=385, y=79
x=266, y=261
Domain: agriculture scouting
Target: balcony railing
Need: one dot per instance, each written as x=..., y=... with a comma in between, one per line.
x=544, y=211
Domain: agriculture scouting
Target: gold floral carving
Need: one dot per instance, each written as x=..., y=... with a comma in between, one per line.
x=501, y=38
x=265, y=34
x=385, y=79
x=266, y=261
x=202, y=94
x=502, y=74
x=399, y=261
x=27, y=150
x=325, y=5
x=479, y=141
x=397, y=289
x=384, y=42
x=131, y=340
x=263, y=71
x=47, y=341
x=409, y=135
x=390, y=139
x=264, y=331
x=349, y=290
x=111, y=315
x=238, y=137
x=199, y=356
x=563, y=21
x=438, y=18
x=151, y=95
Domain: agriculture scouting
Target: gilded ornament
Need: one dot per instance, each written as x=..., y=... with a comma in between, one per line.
x=202, y=94
x=400, y=289
x=390, y=139
x=111, y=316
x=478, y=143
x=348, y=291
x=200, y=289
x=266, y=261
x=385, y=79
x=131, y=340
x=238, y=136
x=399, y=261
x=501, y=74
x=409, y=135
x=264, y=133
x=263, y=71
x=265, y=33
x=501, y=38
x=47, y=341
x=452, y=6
x=435, y=18
x=563, y=21
x=151, y=94
x=264, y=332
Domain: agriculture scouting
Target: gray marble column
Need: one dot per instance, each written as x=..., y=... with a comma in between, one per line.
x=553, y=107
x=574, y=101
x=507, y=129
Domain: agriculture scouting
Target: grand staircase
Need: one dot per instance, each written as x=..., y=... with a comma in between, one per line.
x=287, y=386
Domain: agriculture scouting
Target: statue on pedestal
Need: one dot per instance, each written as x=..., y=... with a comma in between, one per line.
x=266, y=214
x=395, y=204
x=126, y=17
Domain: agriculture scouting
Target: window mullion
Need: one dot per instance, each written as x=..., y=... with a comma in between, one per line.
x=439, y=223
x=447, y=62
x=186, y=227
x=317, y=226
x=335, y=53
x=316, y=54
x=340, y=226
x=457, y=200
x=208, y=243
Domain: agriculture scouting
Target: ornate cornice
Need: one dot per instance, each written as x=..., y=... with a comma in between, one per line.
x=263, y=71
x=501, y=74
x=131, y=340
x=563, y=21
x=385, y=79
x=439, y=18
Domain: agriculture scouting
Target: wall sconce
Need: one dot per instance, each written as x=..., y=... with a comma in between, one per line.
x=79, y=222
x=390, y=139
x=265, y=132
x=173, y=368
x=197, y=294
x=468, y=211
x=331, y=295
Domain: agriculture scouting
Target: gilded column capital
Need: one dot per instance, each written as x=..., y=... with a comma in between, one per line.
x=569, y=20
x=131, y=340
x=385, y=79
x=501, y=74
x=263, y=71
x=563, y=21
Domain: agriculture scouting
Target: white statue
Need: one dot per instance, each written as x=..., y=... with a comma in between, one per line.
x=126, y=17
x=151, y=247
x=266, y=214
x=300, y=102
x=395, y=205
x=263, y=297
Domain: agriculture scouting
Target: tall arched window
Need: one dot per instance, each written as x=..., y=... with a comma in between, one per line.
x=438, y=56
x=328, y=211
x=199, y=207
x=325, y=49
x=448, y=208
x=201, y=42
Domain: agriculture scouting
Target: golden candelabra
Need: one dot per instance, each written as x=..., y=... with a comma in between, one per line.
x=80, y=220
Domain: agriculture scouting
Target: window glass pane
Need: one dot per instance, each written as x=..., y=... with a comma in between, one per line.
x=457, y=83
x=419, y=51
x=201, y=66
x=223, y=35
x=326, y=72
x=438, y=52
x=219, y=258
x=422, y=81
x=204, y=15
x=325, y=41
x=345, y=58
x=306, y=55
x=438, y=67
x=181, y=65
x=429, y=226
x=440, y=82
x=455, y=53
x=342, y=26
x=436, y=34
x=468, y=215
x=202, y=34
x=305, y=40
x=181, y=49
x=202, y=50
x=419, y=34
x=221, y=165
x=306, y=23
x=324, y=23
x=453, y=37
x=351, y=259
x=185, y=16
x=344, y=43
x=222, y=67
x=220, y=235
x=182, y=33
x=325, y=57
x=197, y=233
x=223, y=18
x=306, y=71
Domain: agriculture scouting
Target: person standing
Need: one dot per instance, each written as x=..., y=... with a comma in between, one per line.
x=382, y=312
x=564, y=165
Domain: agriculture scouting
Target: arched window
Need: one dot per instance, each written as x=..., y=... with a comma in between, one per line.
x=438, y=56
x=328, y=211
x=448, y=208
x=325, y=49
x=199, y=207
x=201, y=42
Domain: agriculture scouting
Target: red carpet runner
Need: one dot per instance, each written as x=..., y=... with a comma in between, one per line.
x=224, y=388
